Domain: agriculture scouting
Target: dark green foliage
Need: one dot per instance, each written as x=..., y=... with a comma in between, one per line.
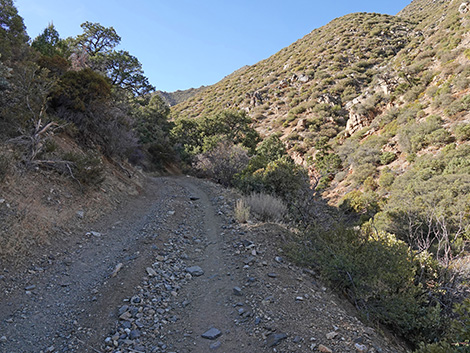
x=327, y=163
x=87, y=169
x=79, y=89
x=152, y=127
x=13, y=37
x=428, y=205
x=57, y=65
x=193, y=136
x=457, y=339
x=280, y=177
x=96, y=38
x=462, y=132
x=84, y=99
x=50, y=44
x=271, y=148
x=363, y=204
x=124, y=70
x=380, y=275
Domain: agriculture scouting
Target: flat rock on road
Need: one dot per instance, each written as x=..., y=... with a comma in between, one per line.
x=171, y=271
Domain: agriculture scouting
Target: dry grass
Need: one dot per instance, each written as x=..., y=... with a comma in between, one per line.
x=266, y=207
x=242, y=211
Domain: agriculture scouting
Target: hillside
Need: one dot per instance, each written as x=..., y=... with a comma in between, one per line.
x=360, y=72
x=179, y=96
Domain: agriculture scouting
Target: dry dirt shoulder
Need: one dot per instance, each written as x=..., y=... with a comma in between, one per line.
x=166, y=269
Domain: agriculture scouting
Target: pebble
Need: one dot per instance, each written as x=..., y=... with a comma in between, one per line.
x=274, y=339
x=151, y=272
x=237, y=291
x=360, y=347
x=324, y=349
x=215, y=345
x=331, y=335
x=212, y=334
x=195, y=271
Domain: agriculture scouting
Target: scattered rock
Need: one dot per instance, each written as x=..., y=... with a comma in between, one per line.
x=31, y=287
x=212, y=334
x=274, y=339
x=116, y=269
x=324, y=349
x=360, y=347
x=215, y=345
x=195, y=271
x=237, y=291
x=331, y=335
x=464, y=8
x=151, y=272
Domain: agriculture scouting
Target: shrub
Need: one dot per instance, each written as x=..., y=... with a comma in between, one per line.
x=386, y=179
x=283, y=178
x=428, y=205
x=363, y=204
x=387, y=157
x=380, y=275
x=416, y=136
x=362, y=172
x=266, y=207
x=86, y=169
x=462, y=132
x=242, y=211
x=222, y=163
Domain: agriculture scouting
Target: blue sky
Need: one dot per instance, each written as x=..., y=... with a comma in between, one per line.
x=189, y=43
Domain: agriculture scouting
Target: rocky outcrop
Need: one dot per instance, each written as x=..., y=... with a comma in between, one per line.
x=464, y=8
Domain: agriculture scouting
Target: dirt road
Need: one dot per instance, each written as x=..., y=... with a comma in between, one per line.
x=171, y=271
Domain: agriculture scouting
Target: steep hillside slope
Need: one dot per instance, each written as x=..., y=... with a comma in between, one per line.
x=367, y=73
x=173, y=98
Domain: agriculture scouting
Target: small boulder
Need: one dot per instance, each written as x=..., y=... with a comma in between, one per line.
x=195, y=271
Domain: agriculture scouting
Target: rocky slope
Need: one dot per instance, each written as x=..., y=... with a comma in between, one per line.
x=361, y=75
x=173, y=98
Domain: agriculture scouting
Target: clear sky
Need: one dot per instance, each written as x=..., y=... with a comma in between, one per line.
x=189, y=43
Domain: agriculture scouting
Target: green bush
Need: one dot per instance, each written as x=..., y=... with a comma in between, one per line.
x=380, y=274
x=386, y=178
x=387, y=158
x=462, y=132
x=430, y=201
x=364, y=204
x=415, y=136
